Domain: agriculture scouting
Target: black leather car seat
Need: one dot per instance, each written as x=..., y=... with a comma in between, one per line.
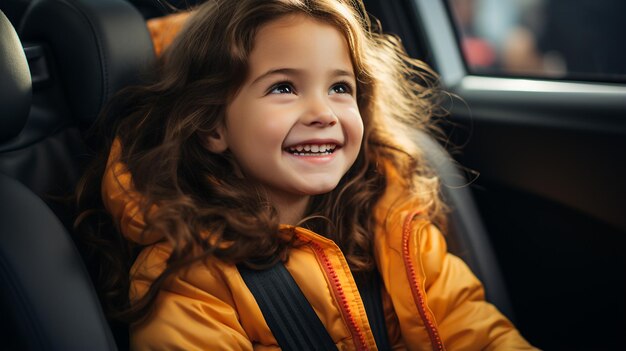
x=47, y=301
x=80, y=53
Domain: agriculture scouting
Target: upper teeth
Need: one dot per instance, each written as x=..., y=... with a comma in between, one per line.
x=313, y=147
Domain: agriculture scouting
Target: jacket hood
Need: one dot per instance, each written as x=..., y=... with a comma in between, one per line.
x=123, y=202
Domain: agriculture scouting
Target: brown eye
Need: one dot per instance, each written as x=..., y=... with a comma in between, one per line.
x=340, y=88
x=282, y=88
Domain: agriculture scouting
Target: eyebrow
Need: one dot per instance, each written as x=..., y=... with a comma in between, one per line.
x=296, y=72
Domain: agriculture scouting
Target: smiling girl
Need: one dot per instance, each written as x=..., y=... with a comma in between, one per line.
x=274, y=132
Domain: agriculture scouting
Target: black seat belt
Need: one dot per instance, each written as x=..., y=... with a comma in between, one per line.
x=286, y=310
x=291, y=318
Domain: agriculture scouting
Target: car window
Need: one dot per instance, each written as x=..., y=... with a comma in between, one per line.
x=561, y=39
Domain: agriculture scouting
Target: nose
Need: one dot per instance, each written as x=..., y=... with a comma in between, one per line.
x=319, y=113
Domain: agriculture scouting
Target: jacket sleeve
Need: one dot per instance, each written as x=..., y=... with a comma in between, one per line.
x=457, y=300
x=186, y=315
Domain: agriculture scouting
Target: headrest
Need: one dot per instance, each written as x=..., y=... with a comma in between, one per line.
x=98, y=47
x=15, y=86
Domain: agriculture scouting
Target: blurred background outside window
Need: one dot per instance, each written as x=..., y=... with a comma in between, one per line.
x=564, y=39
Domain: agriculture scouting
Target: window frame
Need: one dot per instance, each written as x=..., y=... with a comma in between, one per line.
x=604, y=99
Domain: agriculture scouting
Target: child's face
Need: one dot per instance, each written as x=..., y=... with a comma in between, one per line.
x=295, y=125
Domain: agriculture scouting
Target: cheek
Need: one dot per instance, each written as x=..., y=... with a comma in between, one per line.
x=274, y=128
x=354, y=125
x=274, y=121
x=258, y=129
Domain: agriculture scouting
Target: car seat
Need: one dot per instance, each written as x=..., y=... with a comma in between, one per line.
x=79, y=53
x=47, y=301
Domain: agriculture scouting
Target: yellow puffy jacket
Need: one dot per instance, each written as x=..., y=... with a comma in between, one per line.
x=431, y=299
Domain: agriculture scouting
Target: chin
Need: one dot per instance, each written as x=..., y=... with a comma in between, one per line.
x=320, y=189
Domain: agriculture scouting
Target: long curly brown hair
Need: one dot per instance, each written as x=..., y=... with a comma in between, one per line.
x=163, y=126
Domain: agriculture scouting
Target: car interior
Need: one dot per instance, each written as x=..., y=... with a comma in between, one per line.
x=62, y=60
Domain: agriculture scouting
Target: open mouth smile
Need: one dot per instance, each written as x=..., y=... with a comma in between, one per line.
x=312, y=149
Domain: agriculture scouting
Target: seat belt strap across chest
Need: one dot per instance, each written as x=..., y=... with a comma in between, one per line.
x=291, y=318
x=289, y=315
